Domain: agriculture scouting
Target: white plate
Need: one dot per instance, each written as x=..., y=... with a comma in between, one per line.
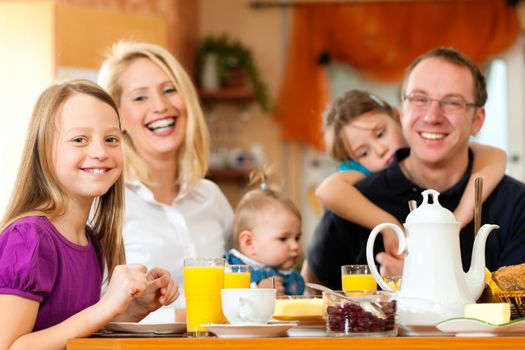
x=269, y=330
x=156, y=328
x=470, y=327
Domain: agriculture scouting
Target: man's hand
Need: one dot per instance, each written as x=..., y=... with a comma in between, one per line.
x=390, y=265
x=390, y=241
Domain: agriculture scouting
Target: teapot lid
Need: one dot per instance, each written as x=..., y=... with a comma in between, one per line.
x=430, y=212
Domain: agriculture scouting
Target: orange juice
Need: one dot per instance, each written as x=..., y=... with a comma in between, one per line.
x=237, y=280
x=394, y=282
x=358, y=282
x=202, y=288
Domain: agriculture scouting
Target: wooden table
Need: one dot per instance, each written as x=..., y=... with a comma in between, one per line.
x=393, y=343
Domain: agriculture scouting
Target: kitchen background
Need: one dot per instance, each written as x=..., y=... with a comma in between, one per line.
x=45, y=40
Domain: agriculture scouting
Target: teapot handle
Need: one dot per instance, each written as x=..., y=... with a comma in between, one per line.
x=370, y=250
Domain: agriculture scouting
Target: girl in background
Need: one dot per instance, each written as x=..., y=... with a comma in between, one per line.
x=172, y=212
x=362, y=132
x=267, y=231
x=51, y=262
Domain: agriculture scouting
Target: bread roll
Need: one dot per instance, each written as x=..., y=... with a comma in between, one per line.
x=510, y=277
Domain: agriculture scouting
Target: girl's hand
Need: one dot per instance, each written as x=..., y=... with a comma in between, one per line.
x=127, y=282
x=159, y=290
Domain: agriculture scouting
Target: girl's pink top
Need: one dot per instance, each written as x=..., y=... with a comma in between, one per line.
x=38, y=263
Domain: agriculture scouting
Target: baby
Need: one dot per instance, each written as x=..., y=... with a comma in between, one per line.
x=267, y=230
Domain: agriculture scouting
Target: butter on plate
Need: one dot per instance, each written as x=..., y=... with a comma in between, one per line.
x=495, y=313
x=298, y=308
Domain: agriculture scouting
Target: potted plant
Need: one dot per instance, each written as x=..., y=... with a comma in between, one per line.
x=234, y=66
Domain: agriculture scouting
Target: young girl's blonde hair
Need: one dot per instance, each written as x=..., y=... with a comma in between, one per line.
x=37, y=190
x=345, y=109
x=257, y=201
x=194, y=153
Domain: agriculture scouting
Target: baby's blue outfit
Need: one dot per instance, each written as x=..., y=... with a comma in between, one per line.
x=293, y=282
x=349, y=164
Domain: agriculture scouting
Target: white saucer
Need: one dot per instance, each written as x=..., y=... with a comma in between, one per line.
x=470, y=327
x=419, y=331
x=155, y=328
x=269, y=330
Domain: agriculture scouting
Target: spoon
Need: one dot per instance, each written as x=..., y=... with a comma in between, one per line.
x=368, y=305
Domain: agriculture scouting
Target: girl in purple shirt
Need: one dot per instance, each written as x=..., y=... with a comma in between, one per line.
x=51, y=262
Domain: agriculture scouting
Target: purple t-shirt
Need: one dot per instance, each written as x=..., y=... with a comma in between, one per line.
x=38, y=263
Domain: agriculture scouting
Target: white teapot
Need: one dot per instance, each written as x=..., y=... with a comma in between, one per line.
x=434, y=286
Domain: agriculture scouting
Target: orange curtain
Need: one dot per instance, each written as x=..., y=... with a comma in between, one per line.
x=379, y=41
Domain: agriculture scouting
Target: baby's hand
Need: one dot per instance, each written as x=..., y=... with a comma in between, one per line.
x=267, y=283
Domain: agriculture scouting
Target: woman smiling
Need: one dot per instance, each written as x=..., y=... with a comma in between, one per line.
x=172, y=212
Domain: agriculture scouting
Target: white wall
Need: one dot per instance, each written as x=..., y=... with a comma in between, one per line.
x=20, y=84
x=515, y=60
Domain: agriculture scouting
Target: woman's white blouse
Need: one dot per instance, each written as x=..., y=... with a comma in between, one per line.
x=197, y=224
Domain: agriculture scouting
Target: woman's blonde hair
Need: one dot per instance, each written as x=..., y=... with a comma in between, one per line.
x=192, y=162
x=257, y=201
x=345, y=109
x=37, y=190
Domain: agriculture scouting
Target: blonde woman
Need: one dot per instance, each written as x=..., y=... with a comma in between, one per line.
x=172, y=212
x=51, y=262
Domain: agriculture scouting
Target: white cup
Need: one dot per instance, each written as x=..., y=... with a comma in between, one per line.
x=248, y=305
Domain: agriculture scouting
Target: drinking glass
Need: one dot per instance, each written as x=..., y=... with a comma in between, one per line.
x=393, y=282
x=357, y=277
x=236, y=276
x=203, y=281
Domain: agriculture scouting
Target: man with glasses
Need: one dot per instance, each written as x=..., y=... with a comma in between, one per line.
x=443, y=98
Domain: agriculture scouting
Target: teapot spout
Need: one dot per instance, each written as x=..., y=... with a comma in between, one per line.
x=475, y=277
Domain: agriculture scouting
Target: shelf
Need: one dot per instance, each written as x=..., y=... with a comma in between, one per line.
x=229, y=174
x=228, y=93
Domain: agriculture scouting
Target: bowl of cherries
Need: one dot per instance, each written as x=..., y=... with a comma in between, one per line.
x=365, y=313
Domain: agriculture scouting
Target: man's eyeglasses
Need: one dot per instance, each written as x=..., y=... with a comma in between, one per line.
x=449, y=104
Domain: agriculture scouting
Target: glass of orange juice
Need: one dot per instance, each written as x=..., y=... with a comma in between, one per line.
x=203, y=281
x=236, y=276
x=357, y=277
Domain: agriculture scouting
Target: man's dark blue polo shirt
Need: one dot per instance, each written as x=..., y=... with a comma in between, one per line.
x=338, y=242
